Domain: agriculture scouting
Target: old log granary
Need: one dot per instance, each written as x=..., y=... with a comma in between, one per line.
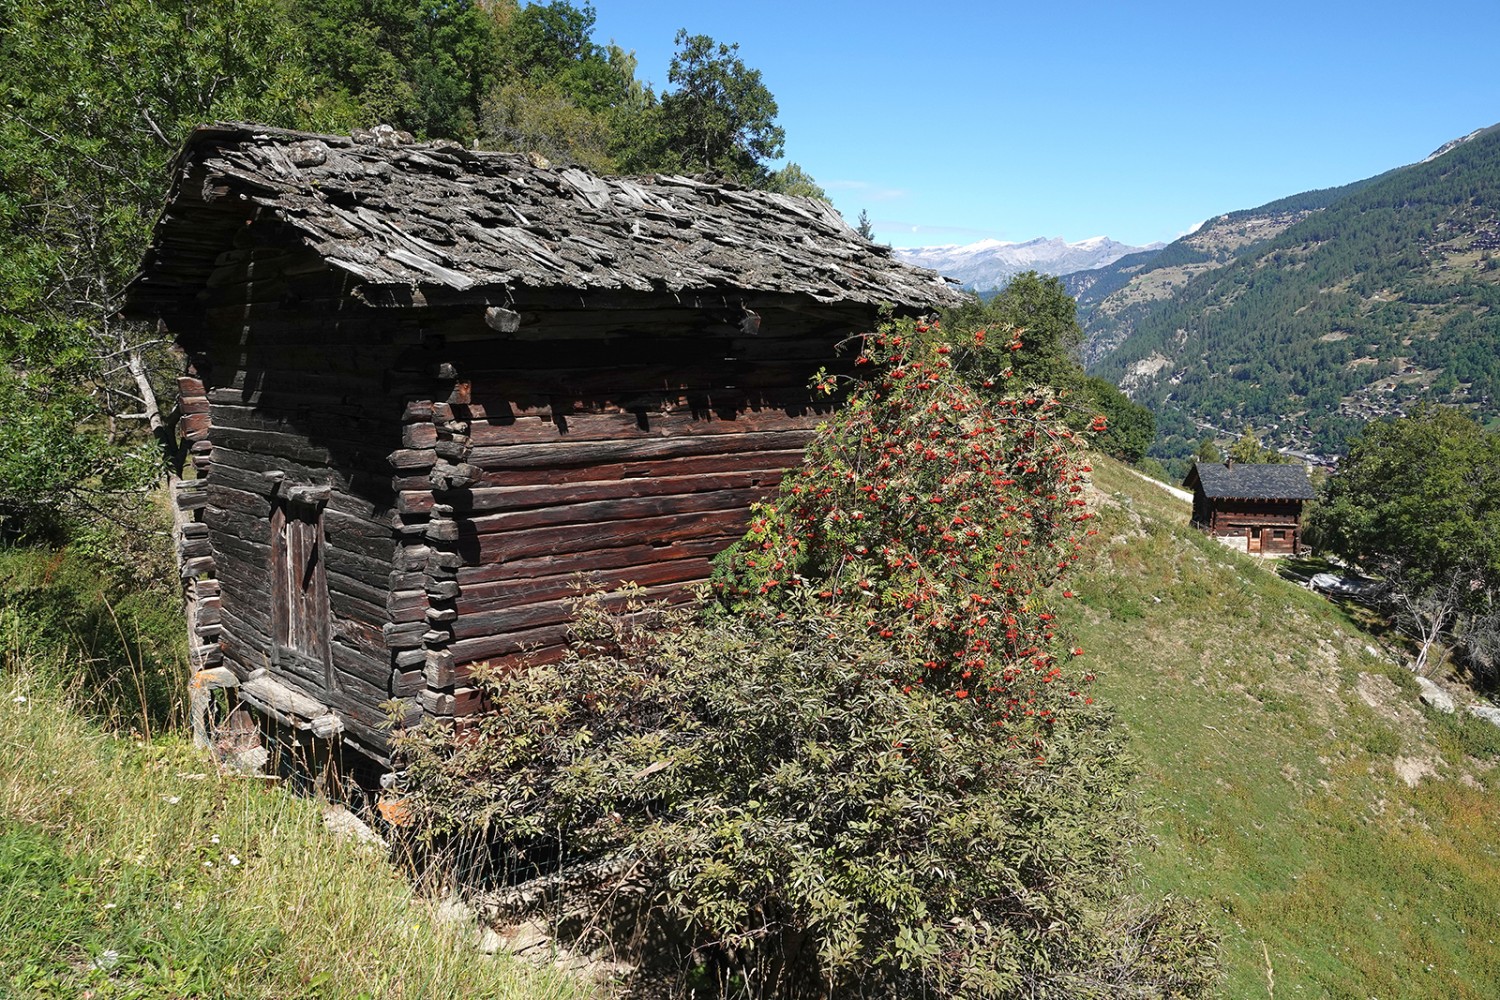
x=428, y=388
x=1256, y=508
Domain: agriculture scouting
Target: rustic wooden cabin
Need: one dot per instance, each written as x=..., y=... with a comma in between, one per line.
x=1258, y=508
x=430, y=389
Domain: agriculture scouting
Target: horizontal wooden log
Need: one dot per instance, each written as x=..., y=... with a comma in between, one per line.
x=335, y=427
x=634, y=427
x=591, y=561
x=359, y=703
x=273, y=444
x=365, y=636
x=249, y=638
x=494, y=646
x=367, y=480
x=564, y=587
x=786, y=457
x=404, y=636
x=563, y=454
x=575, y=538
x=600, y=512
x=469, y=701
x=349, y=661
x=518, y=617
x=486, y=646
x=194, y=548
x=649, y=338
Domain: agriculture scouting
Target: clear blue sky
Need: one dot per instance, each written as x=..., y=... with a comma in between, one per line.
x=954, y=121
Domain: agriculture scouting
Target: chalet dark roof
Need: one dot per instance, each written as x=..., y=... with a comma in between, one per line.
x=437, y=216
x=1250, y=482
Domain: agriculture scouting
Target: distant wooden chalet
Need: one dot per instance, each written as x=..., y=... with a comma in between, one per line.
x=1261, y=504
x=429, y=388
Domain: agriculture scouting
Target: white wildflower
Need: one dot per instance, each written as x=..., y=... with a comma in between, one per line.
x=234, y=860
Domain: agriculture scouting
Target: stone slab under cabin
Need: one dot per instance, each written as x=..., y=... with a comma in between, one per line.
x=429, y=390
x=1255, y=508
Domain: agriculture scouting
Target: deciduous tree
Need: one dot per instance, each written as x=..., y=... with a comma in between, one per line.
x=1418, y=502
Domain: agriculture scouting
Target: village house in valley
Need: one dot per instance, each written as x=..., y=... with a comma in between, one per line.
x=431, y=389
x=1255, y=508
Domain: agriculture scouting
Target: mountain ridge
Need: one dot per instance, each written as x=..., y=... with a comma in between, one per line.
x=1312, y=314
x=989, y=264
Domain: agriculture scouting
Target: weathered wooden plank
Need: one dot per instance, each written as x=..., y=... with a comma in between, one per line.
x=548, y=605
x=365, y=602
x=581, y=453
x=786, y=457
x=349, y=661
x=365, y=636
x=563, y=587
x=467, y=651
x=653, y=343
x=598, y=512
x=250, y=636
x=632, y=426
x=590, y=561
x=484, y=647
x=246, y=473
x=576, y=538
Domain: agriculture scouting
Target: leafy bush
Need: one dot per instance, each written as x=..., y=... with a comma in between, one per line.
x=864, y=769
x=753, y=791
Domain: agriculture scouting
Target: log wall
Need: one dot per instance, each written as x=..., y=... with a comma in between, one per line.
x=297, y=394
x=475, y=477
x=1257, y=521
x=586, y=463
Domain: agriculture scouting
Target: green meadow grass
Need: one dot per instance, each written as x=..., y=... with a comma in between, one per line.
x=130, y=867
x=1271, y=782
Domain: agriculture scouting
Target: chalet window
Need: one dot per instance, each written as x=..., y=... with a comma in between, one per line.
x=1280, y=534
x=299, y=586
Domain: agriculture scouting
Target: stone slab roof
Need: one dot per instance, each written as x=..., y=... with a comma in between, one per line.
x=1250, y=482
x=438, y=216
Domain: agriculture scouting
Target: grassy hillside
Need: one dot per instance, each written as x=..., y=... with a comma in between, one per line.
x=133, y=869
x=1272, y=735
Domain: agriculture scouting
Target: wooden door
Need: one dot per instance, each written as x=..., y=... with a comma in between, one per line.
x=299, y=595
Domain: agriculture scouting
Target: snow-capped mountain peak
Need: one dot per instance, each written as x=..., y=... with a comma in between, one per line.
x=992, y=263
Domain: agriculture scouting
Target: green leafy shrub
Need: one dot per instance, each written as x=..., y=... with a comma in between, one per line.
x=753, y=792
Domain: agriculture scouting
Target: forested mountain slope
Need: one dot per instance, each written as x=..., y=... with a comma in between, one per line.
x=1313, y=314
x=1112, y=298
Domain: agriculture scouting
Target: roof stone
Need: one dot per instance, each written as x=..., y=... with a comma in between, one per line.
x=437, y=215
